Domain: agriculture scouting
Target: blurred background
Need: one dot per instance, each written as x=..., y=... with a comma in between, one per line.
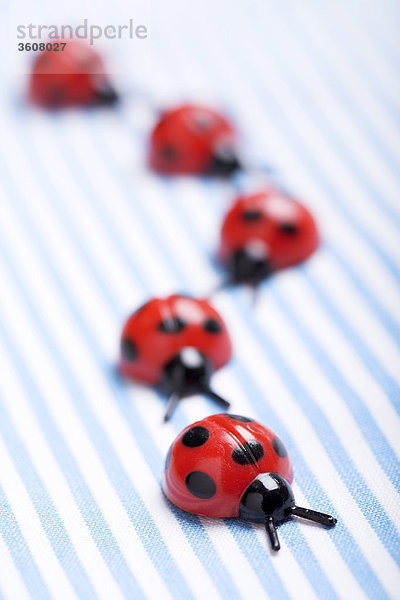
x=88, y=233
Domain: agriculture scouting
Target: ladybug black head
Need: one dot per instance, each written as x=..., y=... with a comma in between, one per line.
x=224, y=161
x=106, y=95
x=249, y=265
x=270, y=499
x=269, y=495
x=187, y=373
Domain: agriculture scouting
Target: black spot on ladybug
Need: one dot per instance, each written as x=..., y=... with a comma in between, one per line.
x=288, y=228
x=200, y=485
x=173, y=325
x=252, y=215
x=168, y=457
x=195, y=436
x=249, y=453
x=169, y=153
x=129, y=350
x=240, y=418
x=279, y=447
x=212, y=326
x=105, y=95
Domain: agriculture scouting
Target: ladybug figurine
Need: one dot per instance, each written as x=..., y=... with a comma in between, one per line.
x=193, y=140
x=74, y=76
x=231, y=466
x=175, y=343
x=263, y=233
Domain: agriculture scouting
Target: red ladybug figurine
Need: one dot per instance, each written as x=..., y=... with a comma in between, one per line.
x=175, y=343
x=72, y=77
x=265, y=232
x=193, y=140
x=231, y=466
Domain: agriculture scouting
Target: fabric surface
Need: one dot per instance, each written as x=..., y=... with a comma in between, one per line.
x=88, y=234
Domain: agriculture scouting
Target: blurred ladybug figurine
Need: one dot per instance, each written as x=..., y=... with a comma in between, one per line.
x=175, y=343
x=231, y=466
x=263, y=233
x=193, y=140
x=74, y=76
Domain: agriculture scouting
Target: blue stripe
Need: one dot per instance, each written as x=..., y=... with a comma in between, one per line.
x=20, y=552
x=44, y=506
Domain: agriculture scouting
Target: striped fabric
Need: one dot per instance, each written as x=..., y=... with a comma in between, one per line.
x=87, y=234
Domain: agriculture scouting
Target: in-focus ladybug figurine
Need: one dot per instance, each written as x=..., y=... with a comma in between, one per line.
x=73, y=77
x=231, y=466
x=193, y=140
x=175, y=343
x=263, y=233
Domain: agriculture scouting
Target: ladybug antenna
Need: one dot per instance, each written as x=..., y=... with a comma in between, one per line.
x=270, y=528
x=313, y=515
x=207, y=391
x=298, y=511
x=255, y=293
x=172, y=402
